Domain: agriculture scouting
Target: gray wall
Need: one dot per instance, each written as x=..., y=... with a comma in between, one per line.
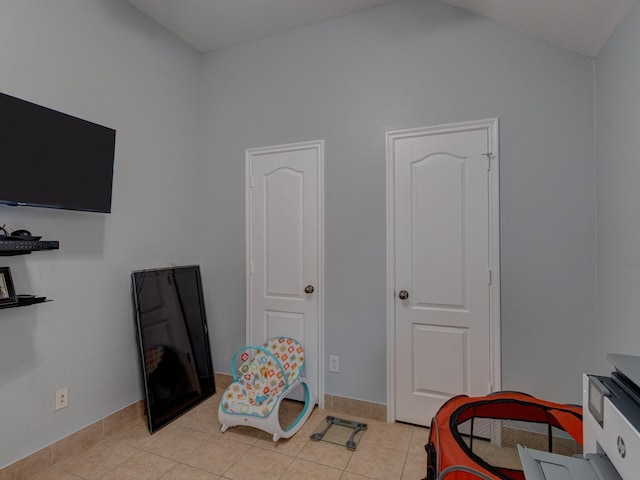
x=409, y=64
x=618, y=177
x=103, y=61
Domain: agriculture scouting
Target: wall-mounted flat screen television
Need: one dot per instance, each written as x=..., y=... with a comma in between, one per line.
x=174, y=342
x=51, y=159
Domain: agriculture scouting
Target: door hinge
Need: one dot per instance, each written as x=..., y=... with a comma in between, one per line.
x=489, y=156
x=253, y=267
x=251, y=181
x=490, y=276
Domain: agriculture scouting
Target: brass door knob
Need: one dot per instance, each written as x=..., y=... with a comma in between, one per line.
x=403, y=294
x=309, y=289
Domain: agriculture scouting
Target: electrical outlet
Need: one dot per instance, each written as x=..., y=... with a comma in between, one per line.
x=62, y=398
x=334, y=363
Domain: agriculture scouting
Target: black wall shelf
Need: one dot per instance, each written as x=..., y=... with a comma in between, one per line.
x=9, y=248
x=15, y=305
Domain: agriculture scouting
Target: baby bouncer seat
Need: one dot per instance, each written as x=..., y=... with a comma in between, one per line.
x=263, y=377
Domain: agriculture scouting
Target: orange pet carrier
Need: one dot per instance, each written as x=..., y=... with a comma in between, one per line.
x=475, y=438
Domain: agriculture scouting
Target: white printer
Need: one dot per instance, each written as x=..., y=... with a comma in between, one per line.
x=611, y=430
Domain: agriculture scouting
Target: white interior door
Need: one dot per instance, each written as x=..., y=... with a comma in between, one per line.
x=284, y=249
x=443, y=208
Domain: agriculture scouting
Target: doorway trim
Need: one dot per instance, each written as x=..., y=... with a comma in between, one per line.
x=491, y=125
x=250, y=153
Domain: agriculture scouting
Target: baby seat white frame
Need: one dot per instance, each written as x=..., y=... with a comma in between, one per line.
x=263, y=377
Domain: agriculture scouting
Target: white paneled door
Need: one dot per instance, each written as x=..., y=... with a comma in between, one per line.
x=284, y=248
x=443, y=274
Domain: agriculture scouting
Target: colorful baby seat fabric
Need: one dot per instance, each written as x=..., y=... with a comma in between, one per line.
x=290, y=354
x=263, y=377
x=263, y=374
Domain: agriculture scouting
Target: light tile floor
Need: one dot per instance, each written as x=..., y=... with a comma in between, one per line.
x=193, y=448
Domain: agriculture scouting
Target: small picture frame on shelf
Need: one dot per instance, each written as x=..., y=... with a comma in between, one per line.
x=7, y=291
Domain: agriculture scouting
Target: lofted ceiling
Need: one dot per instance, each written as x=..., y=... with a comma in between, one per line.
x=581, y=25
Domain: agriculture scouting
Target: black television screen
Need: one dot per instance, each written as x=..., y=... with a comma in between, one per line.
x=51, y=159
x=174, y=343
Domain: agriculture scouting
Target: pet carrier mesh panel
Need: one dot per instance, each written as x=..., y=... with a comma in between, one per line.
x=472, y=438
